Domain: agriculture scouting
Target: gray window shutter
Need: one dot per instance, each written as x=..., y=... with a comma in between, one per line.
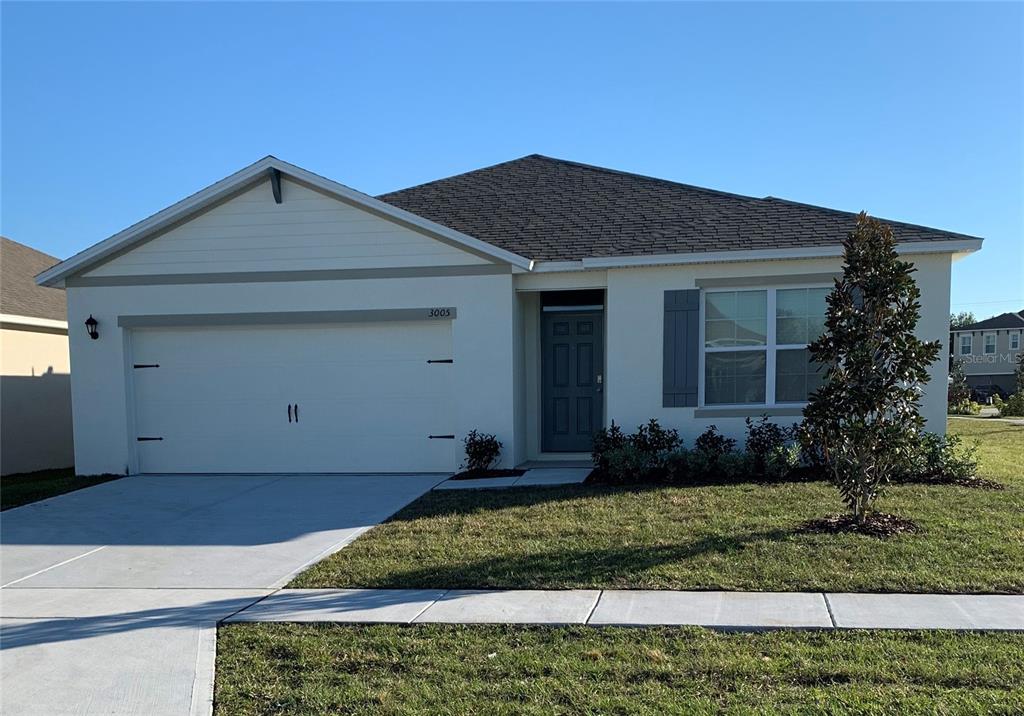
x=681, y=357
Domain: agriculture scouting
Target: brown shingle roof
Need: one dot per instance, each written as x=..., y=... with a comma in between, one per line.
x=19, y=294
x=1003, y=320
x=554, y=210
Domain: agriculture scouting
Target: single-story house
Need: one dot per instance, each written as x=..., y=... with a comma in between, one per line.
x=35, y=380
x=988, y=351
x=278, y=321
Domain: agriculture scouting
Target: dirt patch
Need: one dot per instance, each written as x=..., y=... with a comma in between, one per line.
x=482, y=474
x=878, y=524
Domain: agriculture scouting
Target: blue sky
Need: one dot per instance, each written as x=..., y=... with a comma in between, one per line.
x=912, y=111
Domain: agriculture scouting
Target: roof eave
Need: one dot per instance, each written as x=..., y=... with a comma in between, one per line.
x=954, y=247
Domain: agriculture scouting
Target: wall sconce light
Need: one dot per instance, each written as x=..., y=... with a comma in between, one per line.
x=91, y=325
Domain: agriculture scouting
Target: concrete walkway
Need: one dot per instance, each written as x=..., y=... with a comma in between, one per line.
x=721, y=610
x=534, y=477
x=111, y=595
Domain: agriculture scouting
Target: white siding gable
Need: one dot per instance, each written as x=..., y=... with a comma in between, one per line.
x=307, y=231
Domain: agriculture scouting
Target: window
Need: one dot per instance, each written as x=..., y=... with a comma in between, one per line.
x=965, y=344
x=1015, y=341
x=734, y=322
x=990, y=344
x=755, y=345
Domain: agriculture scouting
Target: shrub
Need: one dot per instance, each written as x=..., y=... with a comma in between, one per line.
x=781, y=462
x=965, y=407
x=641, y=456
x=1011, y=407
x=628, y=465
x=482, y=451
x=679, y=466
x=654, y=439
x=766, y=439
x=713, y=445
x=811, y=453
x=605, y=441
x=941, y=458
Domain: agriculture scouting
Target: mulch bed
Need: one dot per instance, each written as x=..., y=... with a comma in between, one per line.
x=878, y=524
x=479, y=474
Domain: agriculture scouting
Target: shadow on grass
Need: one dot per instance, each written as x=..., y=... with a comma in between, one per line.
x=439, y=503
x=607, y=567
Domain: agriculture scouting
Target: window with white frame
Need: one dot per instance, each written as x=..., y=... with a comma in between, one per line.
x=1015, y=341
x=966, y=341
x=755, y=345
x=990, y=344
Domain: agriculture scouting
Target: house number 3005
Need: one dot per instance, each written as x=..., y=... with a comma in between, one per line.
x=440, y=312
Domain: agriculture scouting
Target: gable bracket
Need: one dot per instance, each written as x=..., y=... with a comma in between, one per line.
x=275, y=184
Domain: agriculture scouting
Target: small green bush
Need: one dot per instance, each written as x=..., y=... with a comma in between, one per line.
x=941, y=458
x=607, y=440
x=781, y=462
x=1012, y=407
x=640, y=457
x=713, y=445
x=965, y=407
x=767, y=442
x=482, y=451
x=654, y=439
x=628, y=465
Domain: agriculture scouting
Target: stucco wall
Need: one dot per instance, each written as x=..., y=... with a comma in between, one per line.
x=635, y=303
x=35, y=386
x=481, y=334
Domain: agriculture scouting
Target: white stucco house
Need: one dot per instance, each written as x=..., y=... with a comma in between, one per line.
x=278, y=321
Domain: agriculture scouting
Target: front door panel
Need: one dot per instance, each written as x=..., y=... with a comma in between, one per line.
x=572, y=364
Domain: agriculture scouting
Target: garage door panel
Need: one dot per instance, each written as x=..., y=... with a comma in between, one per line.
x=368, y=398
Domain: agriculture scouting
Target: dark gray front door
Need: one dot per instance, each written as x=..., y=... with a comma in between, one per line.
x=572, y=365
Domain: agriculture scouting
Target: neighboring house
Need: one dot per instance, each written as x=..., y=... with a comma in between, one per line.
x=278, y=321
x=989, y=350
x=35, y=381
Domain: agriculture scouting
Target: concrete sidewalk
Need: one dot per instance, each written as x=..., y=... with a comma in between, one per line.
x=533, y=477
x=720, y=610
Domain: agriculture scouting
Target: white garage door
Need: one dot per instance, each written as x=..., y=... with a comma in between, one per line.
x=358, y=397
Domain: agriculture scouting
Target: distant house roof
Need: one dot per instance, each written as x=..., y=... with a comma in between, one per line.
x=554, y=210
x=1003, y=320
x=19, y=294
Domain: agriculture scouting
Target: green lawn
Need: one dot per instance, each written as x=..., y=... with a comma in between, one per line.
x=339, y=669
x=17, y=490
x=737, y=537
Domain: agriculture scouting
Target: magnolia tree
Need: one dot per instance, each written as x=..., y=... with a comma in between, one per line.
x=864, y=420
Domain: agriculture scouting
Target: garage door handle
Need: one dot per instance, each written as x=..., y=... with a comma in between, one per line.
x=296, y=412
x=289, y=412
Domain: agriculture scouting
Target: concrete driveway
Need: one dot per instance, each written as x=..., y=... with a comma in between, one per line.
x=110, y=595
